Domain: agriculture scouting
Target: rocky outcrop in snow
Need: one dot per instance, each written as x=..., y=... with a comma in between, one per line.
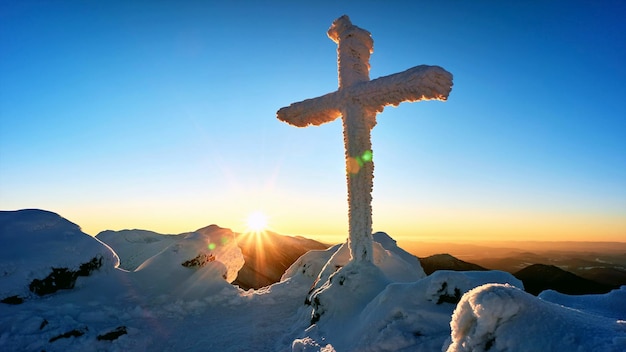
x=61, y=254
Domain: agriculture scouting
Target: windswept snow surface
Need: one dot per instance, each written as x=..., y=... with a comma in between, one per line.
x=165, y=306
x=612, y=304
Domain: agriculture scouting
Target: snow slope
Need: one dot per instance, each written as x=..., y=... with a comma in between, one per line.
x=135, y=246
x=167, y=306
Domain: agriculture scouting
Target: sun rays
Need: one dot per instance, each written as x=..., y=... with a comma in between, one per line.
x=257, y=244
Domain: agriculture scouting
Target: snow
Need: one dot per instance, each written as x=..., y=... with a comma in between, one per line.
x=395, y=263
x=612, y=304
x=504, y=318
x=410, y=316
x=213, y=240
x=135, y=246
x=384, y=305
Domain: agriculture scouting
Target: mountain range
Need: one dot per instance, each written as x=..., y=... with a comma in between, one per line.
x=541, y=277
x=536, y=277
x=268, y=255
x=602, y=267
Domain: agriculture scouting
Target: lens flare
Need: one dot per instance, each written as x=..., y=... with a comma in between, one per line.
x=367, y=156
x=354, y=164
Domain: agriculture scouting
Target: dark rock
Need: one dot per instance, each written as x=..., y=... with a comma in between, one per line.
x=199, y=261
x=63, y=278
x=86, y=269
x=71, y=333
x=113, y=335
x=58, y=279
x=445, y=297
x=13, y=300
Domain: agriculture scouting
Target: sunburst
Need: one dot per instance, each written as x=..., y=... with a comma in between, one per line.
x=257, y=222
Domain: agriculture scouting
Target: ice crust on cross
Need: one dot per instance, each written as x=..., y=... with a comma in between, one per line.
x=357, y=101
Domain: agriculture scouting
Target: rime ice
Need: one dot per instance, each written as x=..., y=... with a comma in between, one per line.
x=357, y=101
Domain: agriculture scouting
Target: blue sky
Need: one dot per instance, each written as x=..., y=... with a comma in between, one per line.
x=161, y=115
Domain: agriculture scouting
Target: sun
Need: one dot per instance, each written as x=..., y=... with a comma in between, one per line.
x=257, y=221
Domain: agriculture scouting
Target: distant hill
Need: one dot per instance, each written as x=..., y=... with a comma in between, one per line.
x=512, y=261
x=500, y=249
x=607, y=276
x=603, y=268
x=602, y=262
x=436, y=262
x=268, y=255
x=540, y=277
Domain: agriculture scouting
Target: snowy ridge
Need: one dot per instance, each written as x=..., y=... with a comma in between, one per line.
x=168, y=271
x=270, y=253
x=611, y=305
x=180, y=300
x=142, y=249
x=135, y=246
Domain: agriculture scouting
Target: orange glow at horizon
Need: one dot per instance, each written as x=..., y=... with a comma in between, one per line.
x=329, y=224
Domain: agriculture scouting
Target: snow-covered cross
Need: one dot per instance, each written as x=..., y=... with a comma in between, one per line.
x=357, y=101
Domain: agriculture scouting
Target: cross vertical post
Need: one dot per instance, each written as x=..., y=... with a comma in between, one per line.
x=354, y=46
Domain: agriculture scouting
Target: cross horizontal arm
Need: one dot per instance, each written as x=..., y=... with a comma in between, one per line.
x=417, y=83
x=314, y=111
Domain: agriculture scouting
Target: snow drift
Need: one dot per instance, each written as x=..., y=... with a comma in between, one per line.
x=344, y=286
x=403, y=316
x=497, y=317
